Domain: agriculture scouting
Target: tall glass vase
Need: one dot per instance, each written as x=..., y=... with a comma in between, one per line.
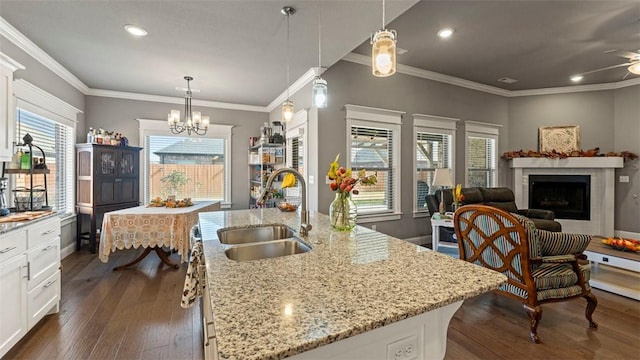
x=343, y=212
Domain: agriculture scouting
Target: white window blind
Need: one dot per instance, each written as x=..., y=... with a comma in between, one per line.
x=481, y=161
x=372, y=150
x=432, y=151
x=57, y=143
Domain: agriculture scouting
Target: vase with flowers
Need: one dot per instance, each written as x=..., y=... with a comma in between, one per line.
x=343, y=211
x=457, y=197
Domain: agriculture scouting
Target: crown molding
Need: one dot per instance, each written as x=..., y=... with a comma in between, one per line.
x=295, y=87
x=425, y=74
x=16, y=37
x=430, y=75
x=575, y=89
x=173, y=100
x=9, y=63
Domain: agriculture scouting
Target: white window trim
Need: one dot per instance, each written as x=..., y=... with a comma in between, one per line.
x=37, y=101
x=150, y=127
x=364, y=116
x=434, y=125
x=483, y=130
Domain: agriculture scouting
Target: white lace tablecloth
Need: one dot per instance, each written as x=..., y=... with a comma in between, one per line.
x=151, y=226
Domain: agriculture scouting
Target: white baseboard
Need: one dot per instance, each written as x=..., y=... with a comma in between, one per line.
x=67, y=250
x=419, y=240
x=627, y=234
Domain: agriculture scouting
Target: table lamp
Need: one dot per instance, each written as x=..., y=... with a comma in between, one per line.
x=442, y=178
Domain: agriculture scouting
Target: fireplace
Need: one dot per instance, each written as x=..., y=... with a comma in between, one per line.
x=599, y=205
x=568, y=196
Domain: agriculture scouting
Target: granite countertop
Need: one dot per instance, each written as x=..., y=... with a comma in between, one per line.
x=349, y=283
x=13, y=225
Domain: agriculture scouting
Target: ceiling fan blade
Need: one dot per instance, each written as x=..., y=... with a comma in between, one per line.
x=606, y=68
x=624, y=54
x=185, y=89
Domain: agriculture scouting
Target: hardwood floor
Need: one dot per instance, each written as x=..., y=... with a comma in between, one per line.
x=136, y=314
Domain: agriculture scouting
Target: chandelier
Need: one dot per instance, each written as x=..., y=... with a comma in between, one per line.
x=193, y=121
x=383, y=51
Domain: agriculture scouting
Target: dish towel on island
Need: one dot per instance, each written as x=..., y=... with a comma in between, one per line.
x=192, y=288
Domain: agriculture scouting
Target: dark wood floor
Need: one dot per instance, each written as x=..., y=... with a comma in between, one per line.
x=136, y=314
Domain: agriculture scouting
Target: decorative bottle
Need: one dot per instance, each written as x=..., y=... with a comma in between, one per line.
x=90, y=136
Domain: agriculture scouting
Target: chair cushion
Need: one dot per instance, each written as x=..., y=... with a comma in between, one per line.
x=498, y=194
x=553, y=276
x=509, y=206
x=471, y=196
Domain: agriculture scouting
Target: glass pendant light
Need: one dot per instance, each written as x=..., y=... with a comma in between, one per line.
x=287, y=106
x=383, y=50
x=319, y=87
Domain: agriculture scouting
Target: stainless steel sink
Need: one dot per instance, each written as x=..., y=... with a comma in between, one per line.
x=266, y=250
x=254, y=234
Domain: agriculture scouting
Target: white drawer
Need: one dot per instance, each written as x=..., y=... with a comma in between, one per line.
x=42, y=298
x=44, y=261
x=12, y=244
x=43, y=231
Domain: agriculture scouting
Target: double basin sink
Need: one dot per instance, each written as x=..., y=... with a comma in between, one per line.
x=261, y=242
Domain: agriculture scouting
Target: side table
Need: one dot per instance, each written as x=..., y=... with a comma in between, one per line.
x=435, y=234
x=614, y=270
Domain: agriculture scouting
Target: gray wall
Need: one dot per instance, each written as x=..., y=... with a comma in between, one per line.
x=120, y=115
x=351, y=83
x=626, y=117
x=608, y=119
x=40, y=76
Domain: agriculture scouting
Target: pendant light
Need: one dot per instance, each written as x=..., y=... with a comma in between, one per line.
x=383, y=50
x=287, y=106
x=319, y=87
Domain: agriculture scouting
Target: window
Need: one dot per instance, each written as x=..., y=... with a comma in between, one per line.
x=434, y=139
x=57, y=143
x=374, y=145
x=481, y=154
x=186, y=166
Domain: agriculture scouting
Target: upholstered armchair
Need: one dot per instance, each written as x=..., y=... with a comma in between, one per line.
x=541, y=266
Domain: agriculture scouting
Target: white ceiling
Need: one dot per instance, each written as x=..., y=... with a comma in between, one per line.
x=236, y=50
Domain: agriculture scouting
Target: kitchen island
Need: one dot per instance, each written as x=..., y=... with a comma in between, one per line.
x=357, y=294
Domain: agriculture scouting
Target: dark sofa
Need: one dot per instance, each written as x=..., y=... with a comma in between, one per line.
x=501, y=198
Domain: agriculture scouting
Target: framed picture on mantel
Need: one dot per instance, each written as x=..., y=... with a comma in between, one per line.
x=559, y=138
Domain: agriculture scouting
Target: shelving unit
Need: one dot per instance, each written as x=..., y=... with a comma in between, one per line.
x=263, y=160
x=32, y=171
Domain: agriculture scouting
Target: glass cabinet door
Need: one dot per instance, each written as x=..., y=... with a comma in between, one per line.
x=107, y=162
x=128, y=163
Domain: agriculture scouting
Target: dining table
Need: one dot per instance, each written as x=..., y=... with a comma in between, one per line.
x=152, y=228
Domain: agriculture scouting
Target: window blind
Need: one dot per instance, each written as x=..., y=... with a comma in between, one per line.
x=57, y=143
x=372, y=150
x=481, y=161
x=432, y=151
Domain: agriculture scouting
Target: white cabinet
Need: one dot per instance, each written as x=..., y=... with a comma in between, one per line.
x=7, y=109
x=13, y=302
x=29, y=278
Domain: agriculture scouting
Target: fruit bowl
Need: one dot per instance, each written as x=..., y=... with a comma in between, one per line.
x=287, y=207
x=622, y=244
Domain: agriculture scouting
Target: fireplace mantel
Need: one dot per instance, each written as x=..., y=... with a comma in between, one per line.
x=602, y=173
x=568, y=163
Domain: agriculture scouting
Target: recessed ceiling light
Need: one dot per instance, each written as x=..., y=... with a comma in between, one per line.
x=576, y=78
x=445, y=33
x=135, y=30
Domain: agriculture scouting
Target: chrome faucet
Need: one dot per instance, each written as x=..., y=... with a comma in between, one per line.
x=304, y=213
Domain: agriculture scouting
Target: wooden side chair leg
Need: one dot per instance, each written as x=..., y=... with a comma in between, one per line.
x=592, y=302
x=535, y=314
